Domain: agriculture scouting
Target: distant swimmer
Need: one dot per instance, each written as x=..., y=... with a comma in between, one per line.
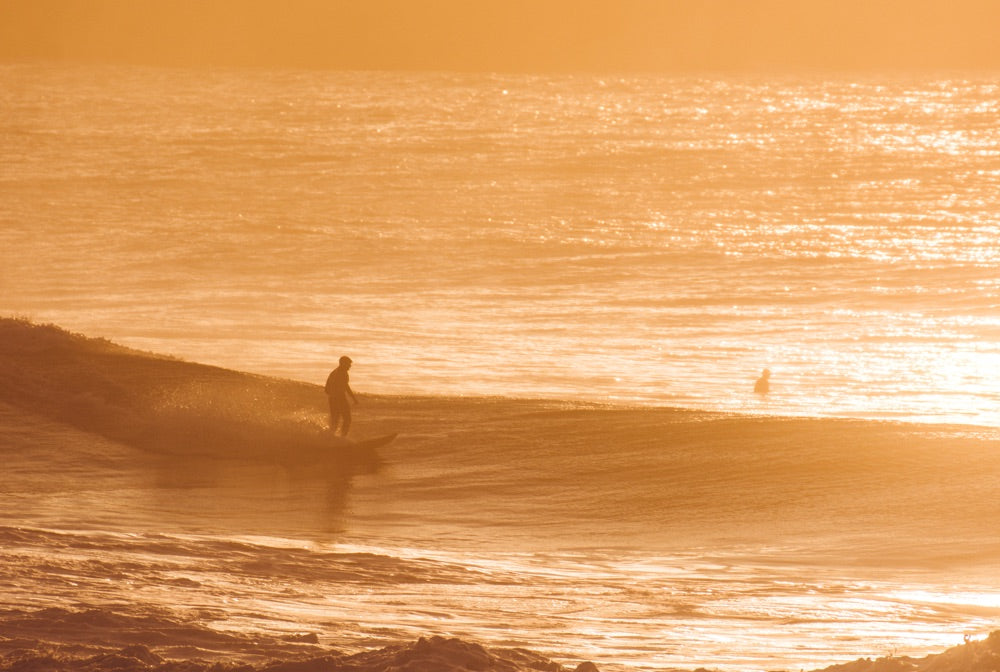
x=338, y=389
x=763, y=384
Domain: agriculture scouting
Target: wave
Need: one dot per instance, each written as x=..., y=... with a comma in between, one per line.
x=543, y=472
x=133, y=558
x=158, y=403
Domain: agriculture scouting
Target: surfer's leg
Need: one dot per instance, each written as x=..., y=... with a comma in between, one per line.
x=334, y=414
x=345, y=413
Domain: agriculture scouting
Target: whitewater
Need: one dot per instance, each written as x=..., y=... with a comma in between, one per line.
x=557, y=291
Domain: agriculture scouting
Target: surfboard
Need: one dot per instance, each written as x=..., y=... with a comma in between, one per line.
x=376, y=442
x=339, y=453
x=362, y=455
x=343, y=443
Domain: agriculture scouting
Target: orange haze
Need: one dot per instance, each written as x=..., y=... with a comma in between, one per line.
x=509, y=35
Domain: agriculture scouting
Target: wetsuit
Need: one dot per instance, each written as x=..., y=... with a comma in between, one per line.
x=337, y=389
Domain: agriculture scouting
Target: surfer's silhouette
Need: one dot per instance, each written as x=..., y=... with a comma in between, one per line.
x=338, y=389
x=763, y=384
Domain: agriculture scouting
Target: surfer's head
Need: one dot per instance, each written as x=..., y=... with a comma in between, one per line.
x=345, y=361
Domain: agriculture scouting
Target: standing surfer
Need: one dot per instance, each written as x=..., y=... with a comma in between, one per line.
x=338, y=389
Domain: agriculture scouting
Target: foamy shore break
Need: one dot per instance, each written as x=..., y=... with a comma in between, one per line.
x=58, y=640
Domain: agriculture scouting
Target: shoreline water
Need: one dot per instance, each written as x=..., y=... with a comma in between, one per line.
x=99, y=640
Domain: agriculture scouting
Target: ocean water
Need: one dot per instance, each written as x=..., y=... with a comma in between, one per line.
x=558, y=290
x=649, y=240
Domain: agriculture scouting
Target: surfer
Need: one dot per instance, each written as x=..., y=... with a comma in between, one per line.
x=763, y=384
x=338, y=389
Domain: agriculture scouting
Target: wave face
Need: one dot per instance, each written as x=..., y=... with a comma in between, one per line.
x=642, y=538
x=156, y=403
x=655, y=240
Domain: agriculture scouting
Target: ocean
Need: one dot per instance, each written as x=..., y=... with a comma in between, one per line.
x=559, y=291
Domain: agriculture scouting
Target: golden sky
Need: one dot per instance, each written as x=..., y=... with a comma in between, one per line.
x=510, y=35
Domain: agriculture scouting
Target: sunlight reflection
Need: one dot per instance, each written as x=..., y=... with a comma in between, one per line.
x=966, y=598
